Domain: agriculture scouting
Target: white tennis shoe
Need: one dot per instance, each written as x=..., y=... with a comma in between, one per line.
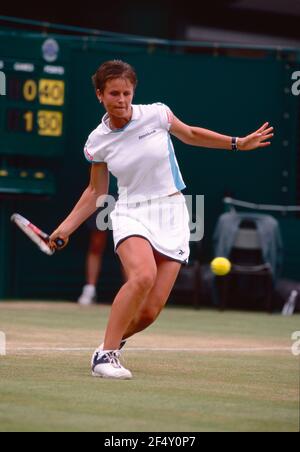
x=107, y=365
x=88, y=295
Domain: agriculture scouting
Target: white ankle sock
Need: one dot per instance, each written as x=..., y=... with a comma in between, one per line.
x=90, y=288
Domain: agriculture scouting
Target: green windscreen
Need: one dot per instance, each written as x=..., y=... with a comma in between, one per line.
x=48, y=113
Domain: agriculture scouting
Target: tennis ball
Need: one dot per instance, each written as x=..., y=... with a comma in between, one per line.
x=220, y=266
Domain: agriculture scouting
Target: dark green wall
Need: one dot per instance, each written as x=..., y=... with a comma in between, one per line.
x=229, y=94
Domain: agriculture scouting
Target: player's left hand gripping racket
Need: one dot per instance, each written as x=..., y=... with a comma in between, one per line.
x=40, y=238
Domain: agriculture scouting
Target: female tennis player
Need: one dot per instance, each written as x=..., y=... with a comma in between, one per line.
x=150, y=220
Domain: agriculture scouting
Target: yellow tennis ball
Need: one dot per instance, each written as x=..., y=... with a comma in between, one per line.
x=220, y=266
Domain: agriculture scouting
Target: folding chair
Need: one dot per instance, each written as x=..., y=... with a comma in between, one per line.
x=247, y=259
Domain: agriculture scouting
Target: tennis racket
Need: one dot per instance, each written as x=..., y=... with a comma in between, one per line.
x=40, y=238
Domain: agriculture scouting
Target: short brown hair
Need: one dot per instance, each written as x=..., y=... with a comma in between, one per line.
x=113, y=69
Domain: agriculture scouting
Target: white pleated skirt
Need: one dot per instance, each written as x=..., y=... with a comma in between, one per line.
x=164, y=222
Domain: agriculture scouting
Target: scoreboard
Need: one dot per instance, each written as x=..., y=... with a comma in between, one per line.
x=32, y=112
x=29, y=118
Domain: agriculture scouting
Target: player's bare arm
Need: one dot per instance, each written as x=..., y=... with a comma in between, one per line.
x=87, y=204
x=197, y=136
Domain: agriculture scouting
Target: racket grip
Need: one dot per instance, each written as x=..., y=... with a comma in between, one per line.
x=60, y=243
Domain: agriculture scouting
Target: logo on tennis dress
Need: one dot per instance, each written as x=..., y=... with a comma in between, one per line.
x=141, y=137
x=181, y=252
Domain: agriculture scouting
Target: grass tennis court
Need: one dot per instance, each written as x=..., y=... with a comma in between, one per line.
x=227, y=371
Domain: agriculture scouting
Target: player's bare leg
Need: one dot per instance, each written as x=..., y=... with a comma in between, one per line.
x=139, y=264
x=152, y=305
x=137, y=257
x=98, y=240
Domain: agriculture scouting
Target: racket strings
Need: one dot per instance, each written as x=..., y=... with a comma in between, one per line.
x=38, y=237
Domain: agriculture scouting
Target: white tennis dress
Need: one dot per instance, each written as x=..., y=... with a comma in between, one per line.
x=141, y=156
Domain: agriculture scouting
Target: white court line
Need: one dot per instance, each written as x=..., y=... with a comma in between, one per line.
x=152, y=349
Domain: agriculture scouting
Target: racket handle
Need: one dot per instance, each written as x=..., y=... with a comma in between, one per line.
x=60, y=243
